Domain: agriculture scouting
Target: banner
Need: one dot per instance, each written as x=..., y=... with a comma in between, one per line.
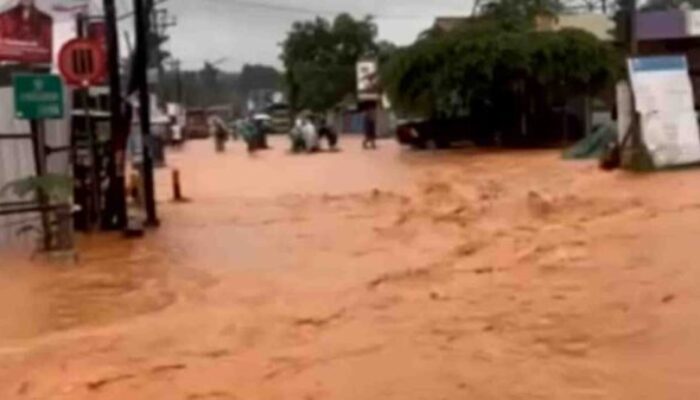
x=27, y=28
x=26, y=33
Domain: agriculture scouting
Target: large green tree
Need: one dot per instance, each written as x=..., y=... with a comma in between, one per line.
x=498, y=77
x=320, y=58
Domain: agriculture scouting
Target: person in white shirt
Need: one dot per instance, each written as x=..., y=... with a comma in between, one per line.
x=310, y=136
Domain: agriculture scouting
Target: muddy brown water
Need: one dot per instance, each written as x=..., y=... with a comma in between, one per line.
x=373, y=275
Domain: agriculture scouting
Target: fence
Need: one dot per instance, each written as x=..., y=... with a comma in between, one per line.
x=17, y=162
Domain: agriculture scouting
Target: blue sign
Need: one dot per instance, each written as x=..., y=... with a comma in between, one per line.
x=659, y=63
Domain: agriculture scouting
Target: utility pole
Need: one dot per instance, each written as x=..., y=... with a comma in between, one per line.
x=634, y=154
x=634, y=40
x=116, y=193
x=142, y=10
x=175, y=65
x=161, y=21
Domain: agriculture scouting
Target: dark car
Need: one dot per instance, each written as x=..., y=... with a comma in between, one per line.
x=543, y=129
x=432, y=133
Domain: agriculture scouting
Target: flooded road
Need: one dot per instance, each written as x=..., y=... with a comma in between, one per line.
x=372, y=275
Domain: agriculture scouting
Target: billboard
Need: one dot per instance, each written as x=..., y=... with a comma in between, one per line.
x=367, y=80
x=665, y=102
x=31, y=30
x=26, y=32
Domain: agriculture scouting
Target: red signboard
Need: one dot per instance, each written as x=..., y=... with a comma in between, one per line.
x=82, y=62
x=26, y=34
x=97, y=30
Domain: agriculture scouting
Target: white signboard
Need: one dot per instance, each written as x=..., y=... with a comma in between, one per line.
x=367, y=80
x=664, y=99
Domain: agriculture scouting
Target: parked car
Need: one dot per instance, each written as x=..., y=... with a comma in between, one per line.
x=424, y=134
x=552, y=127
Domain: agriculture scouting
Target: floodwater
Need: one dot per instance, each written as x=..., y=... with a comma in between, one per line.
x=372, y=275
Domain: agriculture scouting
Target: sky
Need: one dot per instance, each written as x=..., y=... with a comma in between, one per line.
x=250, y=31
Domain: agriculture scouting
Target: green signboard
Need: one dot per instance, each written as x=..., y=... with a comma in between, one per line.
x=38, y=96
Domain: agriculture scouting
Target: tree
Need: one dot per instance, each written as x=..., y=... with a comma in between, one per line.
x=499, y=78
x=516, y=13
x=320, y=58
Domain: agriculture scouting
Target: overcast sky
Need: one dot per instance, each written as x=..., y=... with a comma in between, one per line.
x=249, y=31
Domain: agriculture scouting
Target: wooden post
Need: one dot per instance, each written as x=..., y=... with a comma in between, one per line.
x=116, y=193
x=39, y=145
x=95, y=187
x=177, y=187
x=142, y=26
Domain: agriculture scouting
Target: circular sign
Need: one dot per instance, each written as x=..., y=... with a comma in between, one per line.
x=82, y=62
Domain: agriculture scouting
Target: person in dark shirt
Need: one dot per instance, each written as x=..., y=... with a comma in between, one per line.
x=370, y=129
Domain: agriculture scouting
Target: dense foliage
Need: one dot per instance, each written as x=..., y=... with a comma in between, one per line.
x=500, y=75
x=320, y=58
x=452, y=74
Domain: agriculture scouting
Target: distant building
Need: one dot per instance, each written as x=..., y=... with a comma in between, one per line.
x=447, y=24
x=599, y=25
x=672, y=32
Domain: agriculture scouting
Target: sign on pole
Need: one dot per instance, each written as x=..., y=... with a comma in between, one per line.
x=368, y=80
x=38, y=96
x=82, y=62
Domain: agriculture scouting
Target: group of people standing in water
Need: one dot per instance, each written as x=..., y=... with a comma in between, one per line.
x=306, y=136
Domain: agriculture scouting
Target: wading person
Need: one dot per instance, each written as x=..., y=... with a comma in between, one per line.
x=296, y=136
x=220, y=133
x=370, y=130
x=325, y=131
x=250, y=134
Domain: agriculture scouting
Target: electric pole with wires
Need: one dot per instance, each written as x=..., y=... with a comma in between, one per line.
x=116, y=194
x=142, y=10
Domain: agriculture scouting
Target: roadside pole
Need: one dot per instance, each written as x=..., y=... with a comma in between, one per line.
x=96, y=196
x=95, y=212
x=39, y=145
x=178, y=81
x=116, y=193
x=634, y=155
x=141, y=21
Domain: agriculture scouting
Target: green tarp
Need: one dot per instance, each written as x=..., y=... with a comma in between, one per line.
x=592, y=146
